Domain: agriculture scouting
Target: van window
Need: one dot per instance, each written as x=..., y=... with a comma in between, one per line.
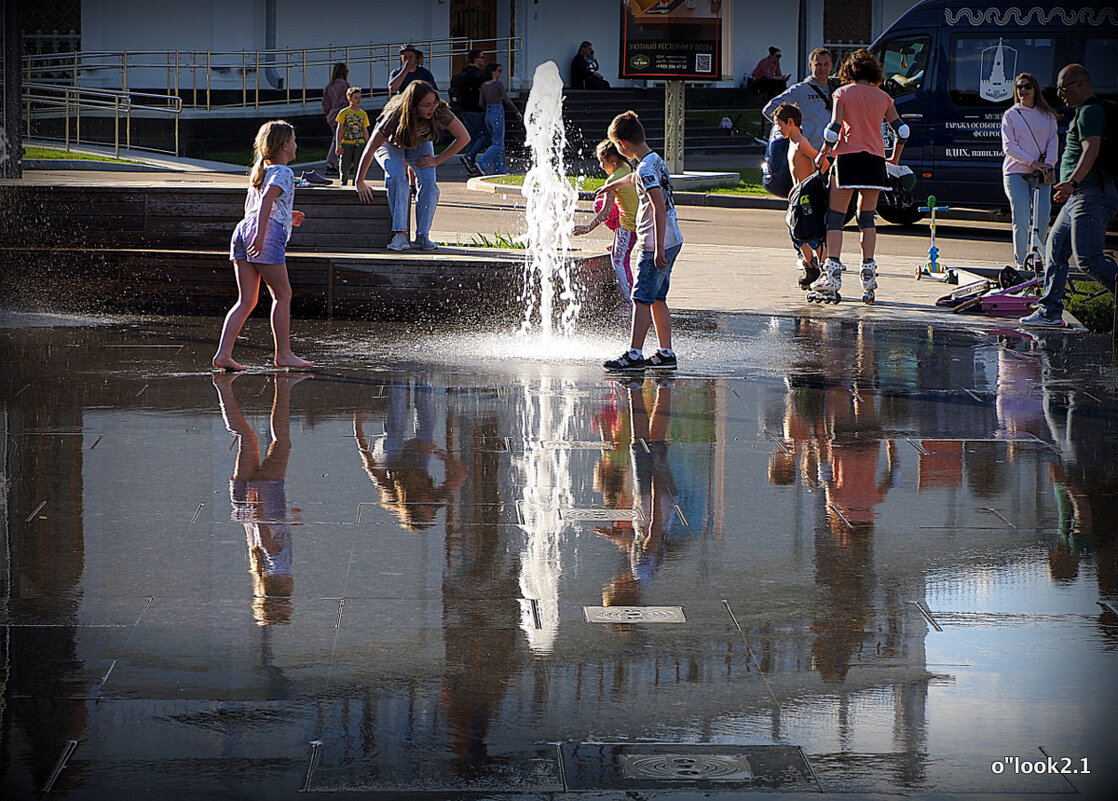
x=903, y=61
x=983, y=66
x=1100, y=57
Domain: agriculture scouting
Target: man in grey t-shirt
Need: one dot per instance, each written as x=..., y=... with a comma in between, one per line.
x=812, y=96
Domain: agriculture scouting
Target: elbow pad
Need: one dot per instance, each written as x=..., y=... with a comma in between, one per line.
x=901, y=128
x=831, y=133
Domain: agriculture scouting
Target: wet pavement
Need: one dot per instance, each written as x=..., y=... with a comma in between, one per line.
x=831, y=556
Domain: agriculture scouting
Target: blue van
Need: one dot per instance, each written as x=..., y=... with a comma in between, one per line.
x=950, y=65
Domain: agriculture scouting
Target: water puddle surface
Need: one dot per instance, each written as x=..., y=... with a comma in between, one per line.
x=893, y=552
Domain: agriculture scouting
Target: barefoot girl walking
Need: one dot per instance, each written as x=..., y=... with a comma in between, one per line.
x=258, y=249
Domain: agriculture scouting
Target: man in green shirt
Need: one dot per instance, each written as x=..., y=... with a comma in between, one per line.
x=1092, y=201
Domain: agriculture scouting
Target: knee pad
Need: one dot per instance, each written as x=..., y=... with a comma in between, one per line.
x=834, y=220
x=865, y=220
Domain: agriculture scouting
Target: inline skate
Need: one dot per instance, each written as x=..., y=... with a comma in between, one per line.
x=826, y=288
x=868, y=277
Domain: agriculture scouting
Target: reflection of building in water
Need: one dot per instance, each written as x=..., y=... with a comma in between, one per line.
x=42, y=563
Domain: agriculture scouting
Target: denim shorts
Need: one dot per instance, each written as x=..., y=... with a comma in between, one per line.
x=652, y=282
x=273, y=252
x=814, y=244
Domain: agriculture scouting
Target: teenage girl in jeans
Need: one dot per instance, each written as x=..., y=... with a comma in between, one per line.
x=405, y=135
x=495, y=99
x=1030, y=145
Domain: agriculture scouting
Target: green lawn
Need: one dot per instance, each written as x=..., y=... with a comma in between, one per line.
x=747, y=121
x=749, y=184
x=58, y=153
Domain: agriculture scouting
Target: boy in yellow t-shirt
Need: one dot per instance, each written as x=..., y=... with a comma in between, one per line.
x=621, y=218
x=352, y=134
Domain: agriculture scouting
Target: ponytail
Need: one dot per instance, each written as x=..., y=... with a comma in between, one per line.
x=270, y=139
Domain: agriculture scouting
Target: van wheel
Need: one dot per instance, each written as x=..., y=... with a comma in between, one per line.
x=903, y=215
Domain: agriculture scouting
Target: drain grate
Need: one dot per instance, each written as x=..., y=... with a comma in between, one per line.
x=600, y=515
x=576, y=445
x=652, y=766
x=634, y=614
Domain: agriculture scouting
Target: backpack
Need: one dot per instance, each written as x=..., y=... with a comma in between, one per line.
x=807, y=208
x=464, y=90
x=775, y=175
x=1108, y=153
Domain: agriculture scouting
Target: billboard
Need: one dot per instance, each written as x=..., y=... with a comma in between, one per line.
x=671, y=39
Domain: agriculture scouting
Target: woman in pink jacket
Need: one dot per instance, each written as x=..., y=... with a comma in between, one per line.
x=1030, y=146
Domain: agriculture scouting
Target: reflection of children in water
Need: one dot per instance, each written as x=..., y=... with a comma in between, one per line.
x=259, y=498
x=611, y=474
x=1085, y=481
x=400, y=467
x=655, y=496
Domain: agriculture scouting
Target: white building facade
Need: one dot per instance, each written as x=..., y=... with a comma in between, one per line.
x=548, y=29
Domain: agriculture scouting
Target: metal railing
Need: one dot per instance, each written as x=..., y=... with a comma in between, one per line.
x=232, y=79
x=46, y=101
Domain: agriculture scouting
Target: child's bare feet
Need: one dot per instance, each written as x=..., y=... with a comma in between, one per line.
x=293, y=362
x=227, y=363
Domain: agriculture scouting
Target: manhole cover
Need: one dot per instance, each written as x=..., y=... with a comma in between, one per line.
x=634, y=614
x=696, y=767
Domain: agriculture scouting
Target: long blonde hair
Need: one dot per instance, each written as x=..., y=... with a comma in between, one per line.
x=405, y=127
x=272, y=137
x=1039, y=101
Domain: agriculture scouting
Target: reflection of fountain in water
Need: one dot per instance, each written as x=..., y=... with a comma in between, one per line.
x=550, y=210
x=545, y=477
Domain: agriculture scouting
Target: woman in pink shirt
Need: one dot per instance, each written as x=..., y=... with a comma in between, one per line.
x=854, y=135
x=1030, y=145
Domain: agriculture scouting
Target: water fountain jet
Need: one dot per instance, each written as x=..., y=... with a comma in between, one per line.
x=550, y=209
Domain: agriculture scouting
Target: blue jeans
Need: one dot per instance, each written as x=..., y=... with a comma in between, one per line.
x=1019, y=189
x=1079, y=230
x=653, y=283
x=493, y=159
x=394, y=161
x=475, y=126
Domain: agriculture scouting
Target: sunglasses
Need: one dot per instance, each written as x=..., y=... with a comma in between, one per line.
x=1062, y=86
x=1021, y=87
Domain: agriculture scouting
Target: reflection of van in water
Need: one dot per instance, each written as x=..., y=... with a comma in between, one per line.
x=950, y=65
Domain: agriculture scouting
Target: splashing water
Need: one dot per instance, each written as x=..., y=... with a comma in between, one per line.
x=550, y=210
x=3, y=146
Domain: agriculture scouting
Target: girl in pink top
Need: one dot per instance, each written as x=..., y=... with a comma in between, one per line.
x=855, y=137
x=1030, y=145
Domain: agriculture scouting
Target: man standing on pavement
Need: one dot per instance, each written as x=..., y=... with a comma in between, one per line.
x=408, y=71
x=811, y=95
x=1092, y=201
x=465, y=101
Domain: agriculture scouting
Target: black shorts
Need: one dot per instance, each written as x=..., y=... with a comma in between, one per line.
x=860, y=171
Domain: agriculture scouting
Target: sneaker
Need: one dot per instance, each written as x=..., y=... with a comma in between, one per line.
x=314, y=179
x=625, y=362
x=331, y=172
x=471, y=166
x=424, y=243
x=399, y=242
x=661, y=361
x=1041, y=320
